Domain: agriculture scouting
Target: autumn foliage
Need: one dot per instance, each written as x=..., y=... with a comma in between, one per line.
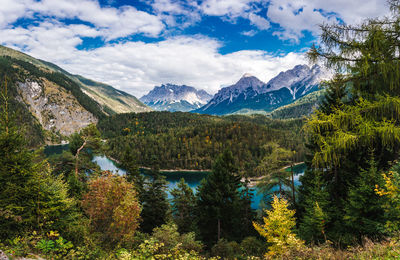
x=113, y=208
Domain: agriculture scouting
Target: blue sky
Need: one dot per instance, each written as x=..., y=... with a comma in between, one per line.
x=136, y=44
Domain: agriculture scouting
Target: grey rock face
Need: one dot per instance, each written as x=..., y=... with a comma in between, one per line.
x=54, y=107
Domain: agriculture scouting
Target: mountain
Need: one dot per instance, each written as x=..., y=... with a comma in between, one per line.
x=172, y=98
x=53, y=103
x=303, y=106
x=250, y=93
x=113, y=101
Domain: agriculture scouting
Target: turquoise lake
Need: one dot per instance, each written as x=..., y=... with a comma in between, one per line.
x=193, y=179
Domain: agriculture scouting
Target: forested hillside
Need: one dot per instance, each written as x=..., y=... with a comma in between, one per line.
x=47, y=99
x=191, y=141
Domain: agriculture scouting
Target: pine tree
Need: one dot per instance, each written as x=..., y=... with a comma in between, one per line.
x=88, y=137
x=364, y=209
x=272, y=166
x=17, y=175
x=183, y=206
x=219, y=202
x=334, y=97
x=31, y=199
x=154, y=201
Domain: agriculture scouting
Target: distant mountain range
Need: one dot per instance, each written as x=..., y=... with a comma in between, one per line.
x=170, y=97
x=250, y=93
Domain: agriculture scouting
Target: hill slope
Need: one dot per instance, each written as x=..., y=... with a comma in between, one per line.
x=112, y=100
x=52, y=103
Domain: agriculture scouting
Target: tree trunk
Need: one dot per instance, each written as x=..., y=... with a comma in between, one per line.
x=293, y=191
x=77, y=157
x=219, y=229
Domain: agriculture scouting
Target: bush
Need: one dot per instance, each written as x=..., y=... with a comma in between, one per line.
x=251, y=246
x=225, y=249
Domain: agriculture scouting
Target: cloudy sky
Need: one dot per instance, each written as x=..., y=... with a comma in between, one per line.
x=137, y=44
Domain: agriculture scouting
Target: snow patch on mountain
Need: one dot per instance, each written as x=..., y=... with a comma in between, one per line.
x=172, y=97
x=250, y=91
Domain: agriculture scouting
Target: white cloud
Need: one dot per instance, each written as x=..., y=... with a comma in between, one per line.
x=232, y=8
x=259, y=22
x=11, y=10
x=250, y=33
x=110, y=22
x=295, y=17
x=136, y=67
x=176, y=13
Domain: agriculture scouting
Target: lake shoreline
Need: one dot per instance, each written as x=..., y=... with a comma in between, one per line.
x=253, y=181
x=160, y=170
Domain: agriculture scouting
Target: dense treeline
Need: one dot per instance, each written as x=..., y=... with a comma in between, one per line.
x=191, y=141
x=300, y=108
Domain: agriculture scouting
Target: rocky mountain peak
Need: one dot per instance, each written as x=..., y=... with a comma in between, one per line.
x=176, y=97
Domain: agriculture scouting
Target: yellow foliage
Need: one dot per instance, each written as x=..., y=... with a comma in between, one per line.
x=277, y=229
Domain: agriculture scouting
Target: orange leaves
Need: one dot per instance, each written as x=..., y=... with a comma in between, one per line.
x=113, y=208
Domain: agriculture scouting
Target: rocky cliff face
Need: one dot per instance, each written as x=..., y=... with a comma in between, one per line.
x=55, y=108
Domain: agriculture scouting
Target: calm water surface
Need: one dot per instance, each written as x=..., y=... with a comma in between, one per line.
x=193, y=179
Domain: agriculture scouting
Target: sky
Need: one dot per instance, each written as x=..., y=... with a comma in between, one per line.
x=135, y=45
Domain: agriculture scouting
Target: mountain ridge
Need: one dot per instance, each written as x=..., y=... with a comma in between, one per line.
x=111, y=99
x=54, y=103
x=251, y=93
x=171, y=97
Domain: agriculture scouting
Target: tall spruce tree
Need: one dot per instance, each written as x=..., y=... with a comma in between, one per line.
x=153, y=198
x=368, y=60
x=183, y=207
x=17, y=175
x=31, y=199
x=364, y=211
x=219, y=202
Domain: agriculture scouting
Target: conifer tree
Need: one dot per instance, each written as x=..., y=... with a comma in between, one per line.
x=219, y=202
x=31, y=199
x=366, y=57
x=183, y=206
x=154, y=202
x=17, y=176
x=364, y=209
x=334, y=97
x=278, y=229
x=272, y=167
